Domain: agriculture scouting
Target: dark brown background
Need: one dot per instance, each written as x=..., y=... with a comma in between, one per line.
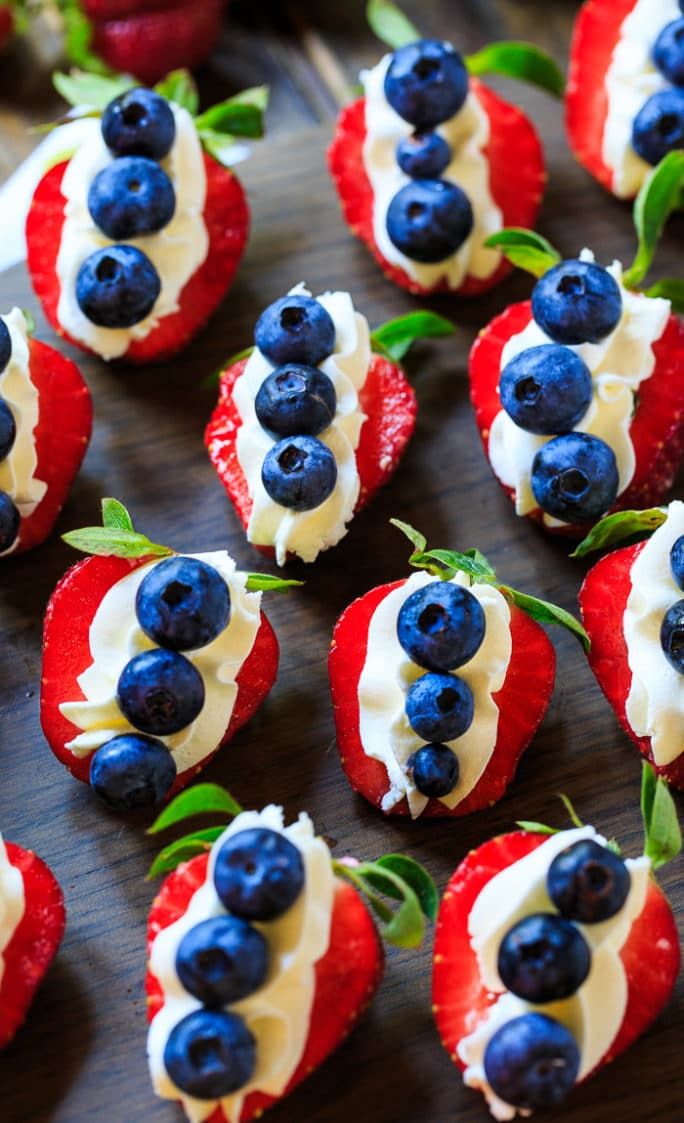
x=82, y=1053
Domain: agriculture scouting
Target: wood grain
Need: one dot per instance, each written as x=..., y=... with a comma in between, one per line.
x=82, y=1053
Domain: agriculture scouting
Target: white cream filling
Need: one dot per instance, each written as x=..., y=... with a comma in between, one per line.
x=594, y=1013
x=467, y=134
x=279, y=1013
x=632, y=78
x=618, y=365
x=388, y=673
x=176, y=252
x=12, y=902
x=655, y=703
x=18, y=470
x=116, y=636
x=306, y=533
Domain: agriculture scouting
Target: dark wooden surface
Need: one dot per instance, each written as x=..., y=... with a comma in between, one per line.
x=82, y=1053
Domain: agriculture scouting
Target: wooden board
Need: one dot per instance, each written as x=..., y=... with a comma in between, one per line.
x=82, y=1052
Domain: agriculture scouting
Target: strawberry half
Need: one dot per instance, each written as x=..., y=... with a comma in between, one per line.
x=34, y=942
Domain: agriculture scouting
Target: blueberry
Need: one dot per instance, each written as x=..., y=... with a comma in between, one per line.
x=429, y=219
x=222, y=960
x=577, y=302
x=546, y=389
x=532, y=1061
x=258, y=874
x=668, y=52
x=575, y=477
x=295, y=329
x=659, y=125
x=183, y=603
x=139, y=122
x=440, y=707
x=423, y=155
x=426, y=82
x=672, y=636
x=441, y=626
x=160, y=692
x=587, y=882
x=296, y=400
x=117, y=287
x=8, y=430
x=299, y=473
x=5, y=345
x=130, y=197
x=434, y=769
x=209, y=1054
x=9, y=522
x=543, y=958
x=677, y=561
x=132, y=771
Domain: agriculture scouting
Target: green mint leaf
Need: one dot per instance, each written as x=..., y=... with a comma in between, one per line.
x=417, y=877
x=239, y=116
x=115, y=516
x=107, y=541
x=659, y=196
x=546, y=613
x=221, y=147
x=390, y=24
x=572, y=814
x=403, y=927
x=614, y=846
x=78, y=38
x=396, y=337
x=672, y=289
x=212, y=380
x=472, y=562
x=202, y=799
x=526, y=249
x=662, y=833
x=414, y=536
x=29, y=320
x=514, y=59
x=182, y=849
x=268, y=583
x=536, y=828
x=621, y=525
x=94, y=91
x=179, y=87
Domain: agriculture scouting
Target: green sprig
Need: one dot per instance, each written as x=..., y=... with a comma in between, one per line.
x=659, y=196
x=401, y=879
x=396, y=337
x=662, y=832
x=526, y=249
x=116, y=537
x=619, y=526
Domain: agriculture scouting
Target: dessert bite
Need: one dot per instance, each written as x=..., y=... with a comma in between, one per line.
x=553, y=954
x=439, y=682
x=262, y=954
x=314, y=420
x=151, y=661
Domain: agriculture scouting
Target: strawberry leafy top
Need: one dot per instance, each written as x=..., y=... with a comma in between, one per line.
x=393, y=876
x=445, y=564
x=118, y=538
x=512, y=59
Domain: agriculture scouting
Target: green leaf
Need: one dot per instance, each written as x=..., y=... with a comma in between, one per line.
x=396, y=337
x=572, y=814
x=414, y=536
x=221, y=147
x=403, y=927
x=268, y=583
x=115, y=516
x=662, y=833
x=526, y=249
x=546, y=613
x=659, y=196
x=202, y=799
x=452, y=562
x=212, y=380
x=29, y=320
x=390, y=24
x=78, y=38
x=110, y=542
x=614, y=846
x=672, y=289
x=417, y=877
x=95, y=91
x=515, y=59
x=183, y=849
x=623, y=524
x=239, y=116
x=536, y=828
x=179, y=87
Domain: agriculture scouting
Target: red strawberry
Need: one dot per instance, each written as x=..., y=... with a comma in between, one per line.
x=595, y=36
x=61, y=436
x=226, y=216
x=6, y=25
x=650, y=955
x=522, y=702
x=517, y=186
x=34, y=943
x=66, y=654
x=657, y=427
x=346, y=977
x=603, y=600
